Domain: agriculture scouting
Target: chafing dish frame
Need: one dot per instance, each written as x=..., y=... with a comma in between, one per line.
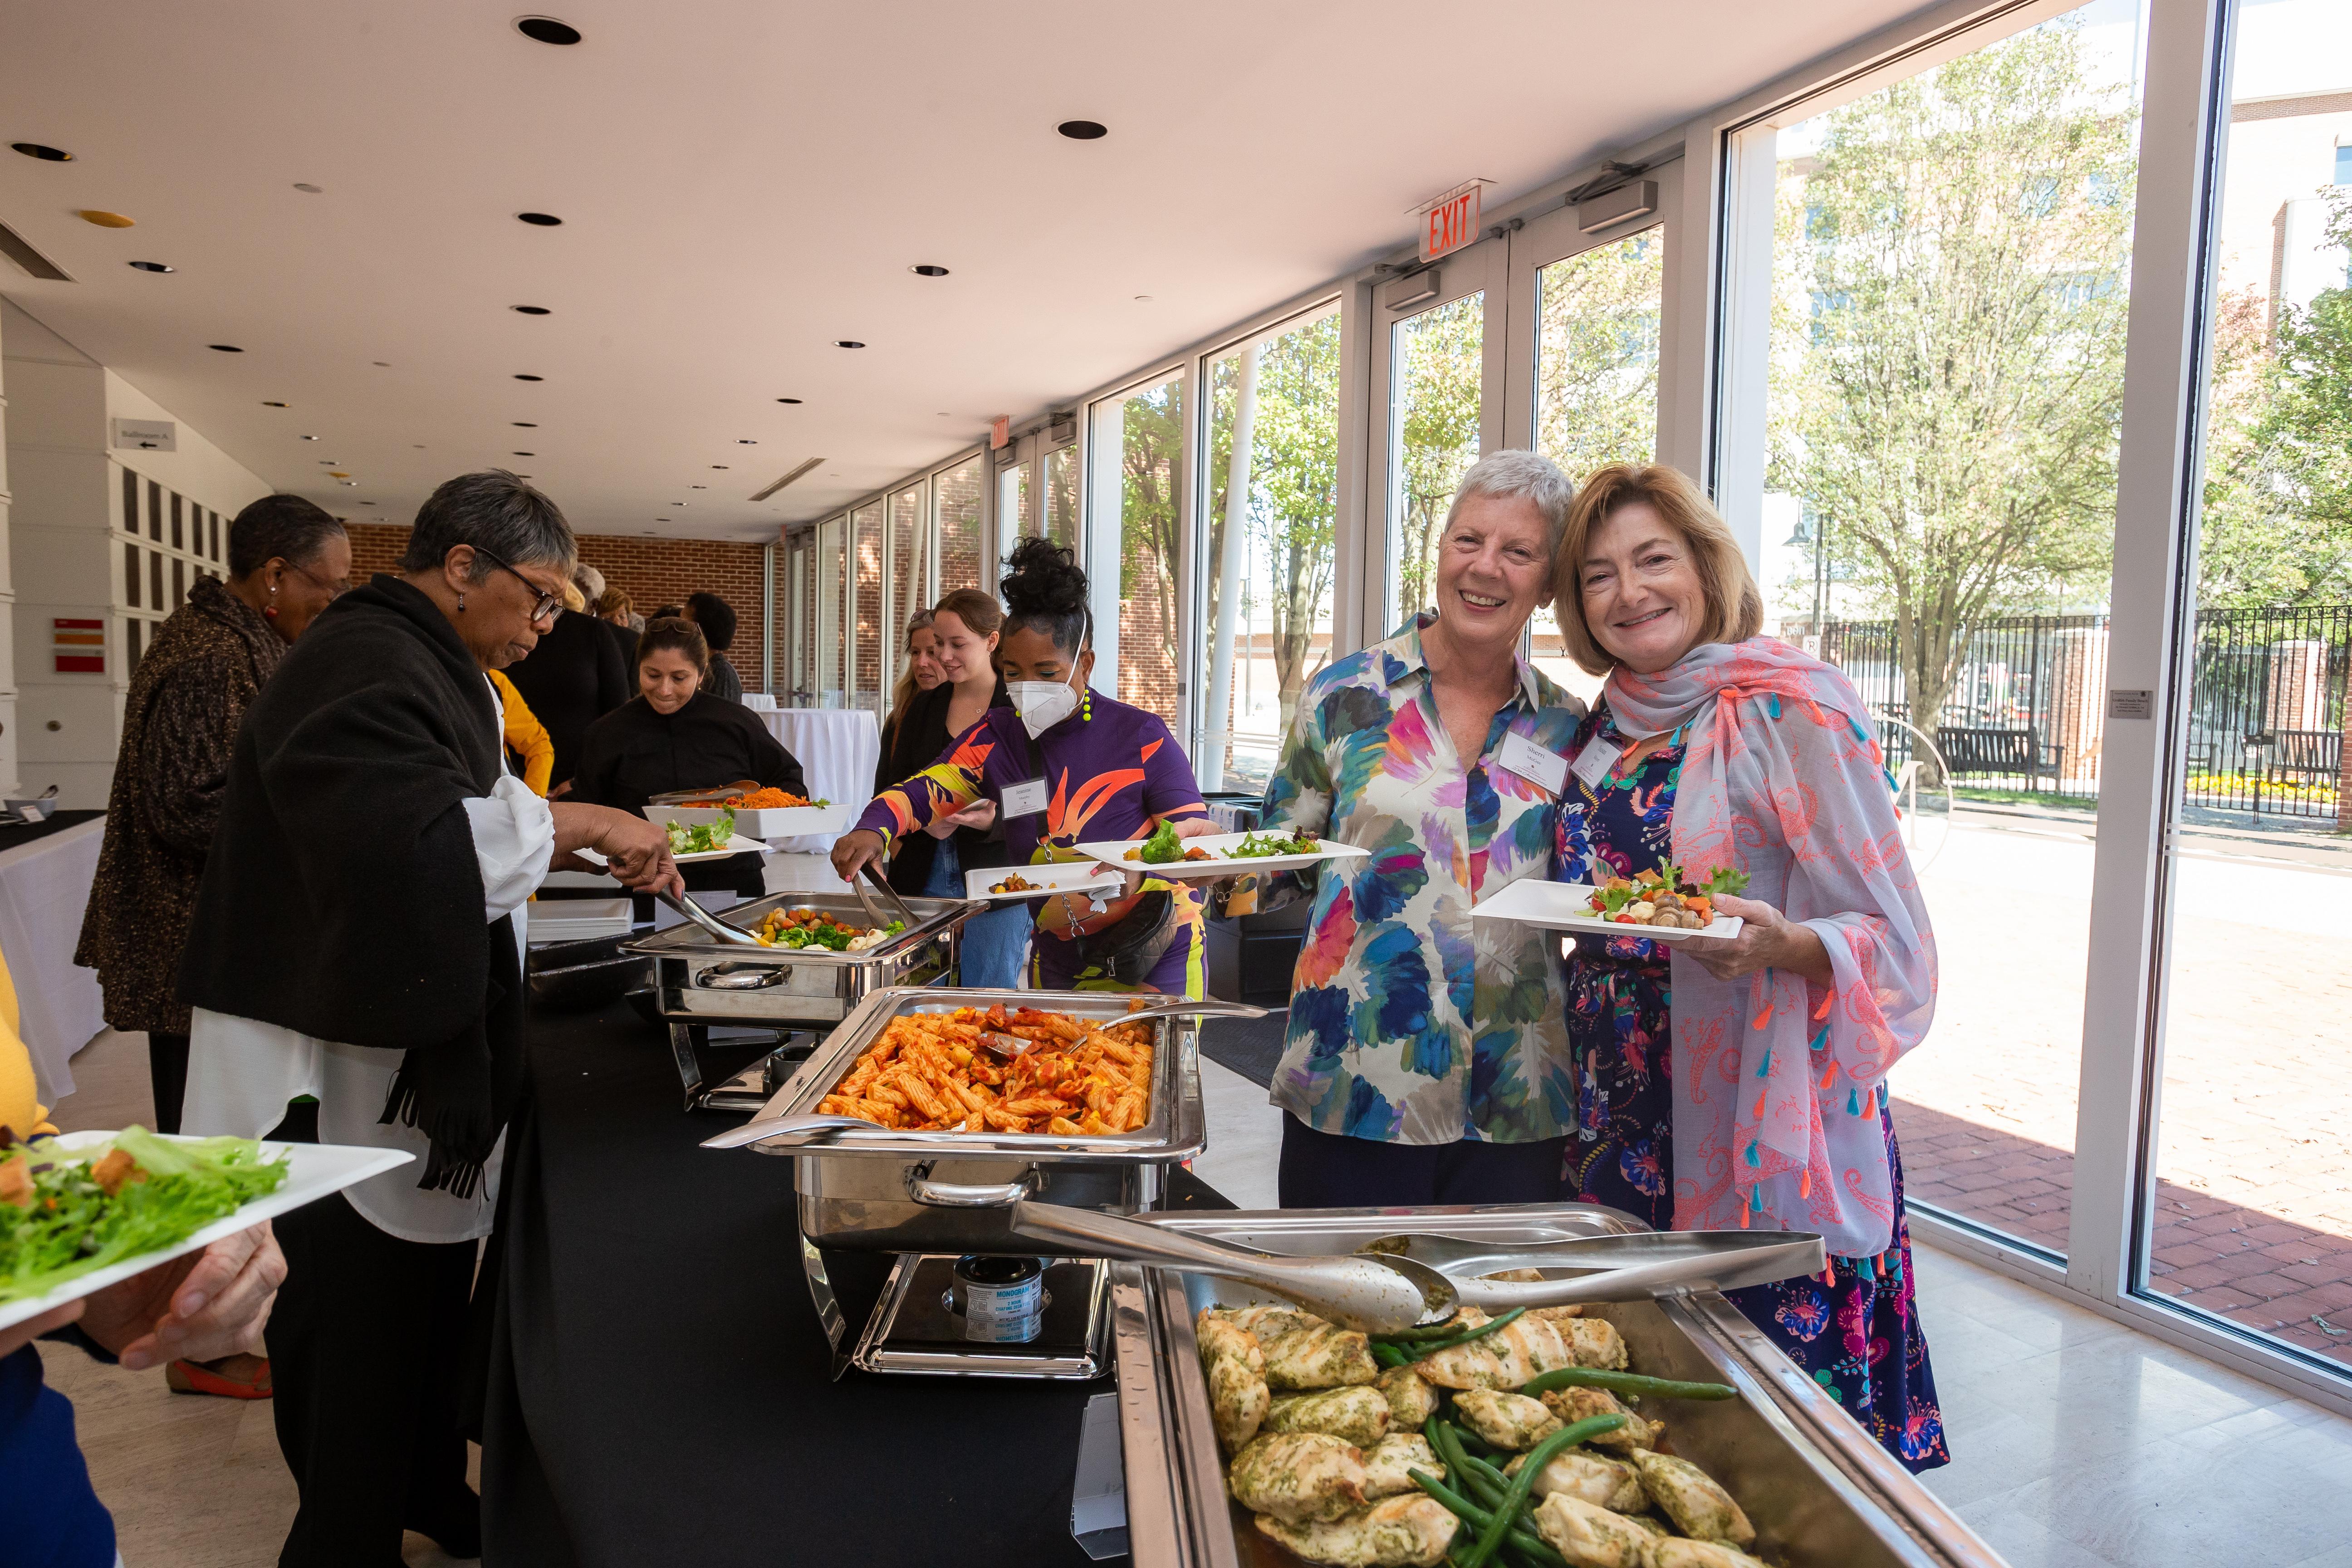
x=1835, y=1497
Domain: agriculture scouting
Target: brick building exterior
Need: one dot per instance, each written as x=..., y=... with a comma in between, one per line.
x=652, y=571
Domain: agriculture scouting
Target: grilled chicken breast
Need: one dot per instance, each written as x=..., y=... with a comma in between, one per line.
x=1604, y=1483
x=1266, y=1321
x=1590, y=1536
x=1671, y=1551
x=1690, y=1496
x=1235, y=1369
x=1400, y=1532
x=1300, y=1477
x=1388, y=1462
x=1318, y=1356
x=1411, y=1401
x=1358, y=1416
x=1464, y=1366
x=1505, y=1420
x=1593, y=1342
x=1574, y=1404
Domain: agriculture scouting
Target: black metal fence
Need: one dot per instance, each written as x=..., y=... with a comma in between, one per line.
x=2265, y=721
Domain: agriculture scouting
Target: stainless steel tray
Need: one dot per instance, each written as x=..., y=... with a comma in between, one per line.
x=1819, y=1490
x=699, y=979
x=878, y=1189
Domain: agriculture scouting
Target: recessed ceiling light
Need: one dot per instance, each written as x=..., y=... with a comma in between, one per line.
x=847, y=344
x=544, y=220
x=522, y=454
x=367, y=503
x=945, y=414
x=661, y=520
x=380, y=363
x=524, y=425
x=1083, y=129
x=104, y=219
x=547, y=30
x=420, y=445
x=788, y=400
x=45, y=154
x=529, y=310
x=224, y=348
x=745, y=441
x=698, y=486
x=306, y=438
x=351, y=484
x=150, y=266
x=1143, y=298
x=720, y=466
x=329, y=462
x=531, y=378
x=928, y=270
x=267, y=404
x=308, y=190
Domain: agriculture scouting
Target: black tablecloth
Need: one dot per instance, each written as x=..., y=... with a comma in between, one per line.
x=658, y=1389
x=17, y=833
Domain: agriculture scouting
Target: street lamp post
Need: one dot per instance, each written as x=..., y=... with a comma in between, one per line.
x=2257, y=747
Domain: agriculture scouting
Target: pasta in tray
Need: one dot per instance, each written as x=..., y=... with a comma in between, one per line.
x=999, y=1070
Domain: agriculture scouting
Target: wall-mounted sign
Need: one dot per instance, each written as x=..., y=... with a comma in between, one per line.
x=79, y=646
x=147, y=434
x=999, y=432
x=1450, y=221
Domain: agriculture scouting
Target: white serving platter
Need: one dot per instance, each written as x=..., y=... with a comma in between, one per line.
x=319, y=1169
x=736, y=845
x=1114, y=855
x=767, y=822
x=1568, y=906
x=1060, y=877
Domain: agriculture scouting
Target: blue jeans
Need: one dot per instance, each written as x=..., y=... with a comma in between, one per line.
x=995, y=943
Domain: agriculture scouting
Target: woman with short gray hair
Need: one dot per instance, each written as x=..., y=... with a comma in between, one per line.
x=1425, y=1064
x=354, y=969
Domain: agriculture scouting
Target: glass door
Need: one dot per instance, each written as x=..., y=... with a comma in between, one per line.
x=1437, y=392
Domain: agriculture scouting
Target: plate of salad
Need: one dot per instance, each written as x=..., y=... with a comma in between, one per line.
x=713, y=840
x=1218, y=854
x=1665, y=905
x=768, y=813
x=81, y=1211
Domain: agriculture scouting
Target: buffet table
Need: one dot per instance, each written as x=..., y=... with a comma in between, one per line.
x=45, y=870
x=659, y=1390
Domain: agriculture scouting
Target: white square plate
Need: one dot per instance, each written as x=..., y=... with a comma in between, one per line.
x=1568, y=906
x=1061, y=877
x=1218, y=845
x=766, y=822
x=319, y=1169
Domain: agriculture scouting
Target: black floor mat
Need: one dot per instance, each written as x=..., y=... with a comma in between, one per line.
x=1250, y=1046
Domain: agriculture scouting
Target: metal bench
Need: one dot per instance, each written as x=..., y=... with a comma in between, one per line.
x=2019, y=752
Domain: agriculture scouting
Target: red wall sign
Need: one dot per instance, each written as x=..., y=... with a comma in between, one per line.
x=80, y=645
x=1451, y=221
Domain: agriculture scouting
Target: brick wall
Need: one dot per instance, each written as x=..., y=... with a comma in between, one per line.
x=652, y=571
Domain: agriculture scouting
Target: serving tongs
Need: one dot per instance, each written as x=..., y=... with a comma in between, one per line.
x=1389, y=1291
x=1005, y=1047
x=734, y=936
x=866, y=900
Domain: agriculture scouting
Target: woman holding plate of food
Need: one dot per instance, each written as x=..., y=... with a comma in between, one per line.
x=1060, y=764
x=1742, y=1082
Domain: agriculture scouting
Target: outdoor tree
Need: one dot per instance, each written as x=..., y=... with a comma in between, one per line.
x=1152, y=449
x=1596, y=356
x=1948, y=340
x=1294, y=507
x=1439, y=354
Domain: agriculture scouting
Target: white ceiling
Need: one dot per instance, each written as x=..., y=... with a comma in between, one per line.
x=743, y=182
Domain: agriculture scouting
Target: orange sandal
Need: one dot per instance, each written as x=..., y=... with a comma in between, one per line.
x=195, y=1377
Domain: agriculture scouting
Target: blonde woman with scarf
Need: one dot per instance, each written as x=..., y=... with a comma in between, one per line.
x=1742, y=1083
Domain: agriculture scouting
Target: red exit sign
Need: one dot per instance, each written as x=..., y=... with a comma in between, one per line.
x=1451, y=221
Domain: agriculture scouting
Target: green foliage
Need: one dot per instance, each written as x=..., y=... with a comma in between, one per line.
x=1151, y=448
x=1439, y=356
x=1596, y=356
x=1948, y=340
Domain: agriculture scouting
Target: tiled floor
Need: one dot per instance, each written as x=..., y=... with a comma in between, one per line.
x=2077, y=1442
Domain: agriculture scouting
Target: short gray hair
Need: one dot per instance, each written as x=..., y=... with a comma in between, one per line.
x=495, y=510
x=1529, y=476
x=590, y=582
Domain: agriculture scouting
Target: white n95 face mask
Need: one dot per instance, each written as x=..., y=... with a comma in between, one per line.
x=1041, y=704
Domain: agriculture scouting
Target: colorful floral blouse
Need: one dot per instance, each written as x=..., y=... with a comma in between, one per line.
x=1408, y=1025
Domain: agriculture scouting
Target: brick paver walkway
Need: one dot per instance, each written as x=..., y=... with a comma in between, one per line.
x=2254, y=1216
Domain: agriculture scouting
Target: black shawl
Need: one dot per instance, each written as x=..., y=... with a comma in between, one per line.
x=341, y=897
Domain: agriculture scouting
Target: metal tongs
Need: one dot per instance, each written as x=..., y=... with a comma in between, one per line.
x=865, y=900
x=1004, y=1048
x=684, y=904
x=1389, y=1291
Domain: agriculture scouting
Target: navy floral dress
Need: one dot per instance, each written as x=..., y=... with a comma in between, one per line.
x=1854, y=1331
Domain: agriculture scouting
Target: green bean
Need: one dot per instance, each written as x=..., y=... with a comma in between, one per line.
x=1388, y=1355
x=1423, y=1350
x=1625, y=1383
x=1532, y=1546
x=1506, y=1512
x=1469, y=1471
x=1422, y=1334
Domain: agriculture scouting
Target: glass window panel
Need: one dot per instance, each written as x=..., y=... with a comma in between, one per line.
x=831, y=577
x=130, y=501
x=1143, y=433
x=866, y=607
x=2251, y=1211
x=130, y=576
x=179, y=584
x=1951, y=263
x=155, y=579
x=1267, y=604
x=1437, y=355
x=1061, y=498
x=909, y=575
x=1596, y=381
x=796, y=596
x=955, y=514
x=132, y=631
x=1015, y=517
x=212, y=527
x=154, y=512
x=178, y=543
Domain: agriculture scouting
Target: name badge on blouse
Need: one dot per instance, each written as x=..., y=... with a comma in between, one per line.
x=1593, y=763
x=1536, y=765
x=1026, y=799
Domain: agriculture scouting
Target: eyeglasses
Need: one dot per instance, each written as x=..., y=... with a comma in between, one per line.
x=544, y=605
x=334, y=588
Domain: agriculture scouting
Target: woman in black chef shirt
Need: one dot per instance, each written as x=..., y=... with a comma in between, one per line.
x=674, y=735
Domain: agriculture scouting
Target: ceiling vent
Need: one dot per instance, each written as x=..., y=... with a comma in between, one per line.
x=13, y=246
x=788, y=478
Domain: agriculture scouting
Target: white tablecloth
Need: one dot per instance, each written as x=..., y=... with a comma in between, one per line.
x=44, y=887
x=838, y=748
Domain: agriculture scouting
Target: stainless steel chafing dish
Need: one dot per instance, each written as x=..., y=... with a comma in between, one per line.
x=872, y=1188
x=700, y=979
x=1821, y=1493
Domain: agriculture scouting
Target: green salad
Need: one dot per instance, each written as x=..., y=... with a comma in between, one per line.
x=64, y=1213
x=1163, y=846
x=838, y=938
x=1257, y=845
x=703, y=839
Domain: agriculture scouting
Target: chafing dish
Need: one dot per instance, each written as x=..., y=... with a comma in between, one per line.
x=872, y=1188
x=1819, y=1490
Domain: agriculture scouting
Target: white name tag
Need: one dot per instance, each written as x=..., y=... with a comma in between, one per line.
x=1593, y=763
x=1024, y=799
x=1536, y=765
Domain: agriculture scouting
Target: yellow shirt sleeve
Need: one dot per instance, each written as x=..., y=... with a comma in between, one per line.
x=20, y=1107
x=527, y=735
